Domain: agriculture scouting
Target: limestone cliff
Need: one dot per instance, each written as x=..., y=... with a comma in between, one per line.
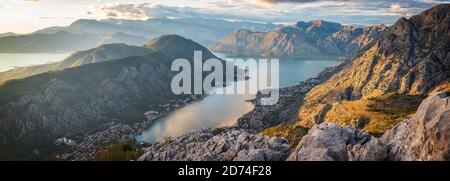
x=411, y=58
x=424, y=136
x=304, y=39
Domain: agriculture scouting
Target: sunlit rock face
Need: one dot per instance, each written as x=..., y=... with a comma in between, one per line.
x=304, y=39
x=228, y=144
x=424, y=136
x=410, y=58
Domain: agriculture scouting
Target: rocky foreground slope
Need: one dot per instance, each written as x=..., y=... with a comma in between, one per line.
x=225, y=144
x=424, y=136
x=304, y=39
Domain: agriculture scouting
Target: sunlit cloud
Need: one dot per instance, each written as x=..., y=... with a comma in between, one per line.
x=395, y=8
x=287, y=11
x=345, y=11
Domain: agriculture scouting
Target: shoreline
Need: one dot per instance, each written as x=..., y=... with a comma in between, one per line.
x=116, y=132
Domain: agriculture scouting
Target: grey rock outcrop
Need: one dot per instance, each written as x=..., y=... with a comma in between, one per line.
x=424, y=136
x=226, y=144
x=330, y=142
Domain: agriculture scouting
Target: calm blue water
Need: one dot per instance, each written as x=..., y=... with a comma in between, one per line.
x=12, y=60
x=223, y=110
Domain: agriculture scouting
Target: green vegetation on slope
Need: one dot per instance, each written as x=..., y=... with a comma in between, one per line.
x=124, y=151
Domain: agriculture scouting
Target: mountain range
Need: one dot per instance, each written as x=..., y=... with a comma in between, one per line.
x=95, y=55
x=410, y=60
x=85, y=33
x=303, y=39
x=7, y=34
x=111, y=83
x=388, y=103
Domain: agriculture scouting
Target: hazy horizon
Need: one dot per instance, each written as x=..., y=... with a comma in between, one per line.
x=32, y=15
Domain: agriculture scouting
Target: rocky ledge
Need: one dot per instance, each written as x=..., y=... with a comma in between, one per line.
x=224, y=144
x=424, y=136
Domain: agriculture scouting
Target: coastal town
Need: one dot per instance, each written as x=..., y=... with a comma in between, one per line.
x=116, y=132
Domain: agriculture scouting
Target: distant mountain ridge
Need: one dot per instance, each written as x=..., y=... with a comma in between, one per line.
x=85, y=33
x=8, y=34
x=303, y=39
x=62, y=41
x=95, y=55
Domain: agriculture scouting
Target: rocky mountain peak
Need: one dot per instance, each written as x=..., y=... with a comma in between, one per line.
x=432, y=16
x=303, y=39
x=242, y=32
x=301, y=24
x=103, y=53
x=177, y=45
x=424, y=31
x=170, y=41
x=324, y=24
x=411, y=58
x=321, y=27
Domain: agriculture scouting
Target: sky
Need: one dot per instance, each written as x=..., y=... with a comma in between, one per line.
x=25, y=16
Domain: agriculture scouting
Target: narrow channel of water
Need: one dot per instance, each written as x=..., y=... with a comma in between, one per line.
x=9, y=61
x=223, y=110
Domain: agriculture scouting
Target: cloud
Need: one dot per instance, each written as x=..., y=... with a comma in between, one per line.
x=395, y=8
x=293, y=1
x=153, y=10
x=31, y=1
x=344, y=11
x=129, y=11
x=136, y=10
